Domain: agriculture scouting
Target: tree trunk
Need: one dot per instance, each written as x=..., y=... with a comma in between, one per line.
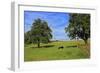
x=87, y=48
x=85, y=41
x=38, y=43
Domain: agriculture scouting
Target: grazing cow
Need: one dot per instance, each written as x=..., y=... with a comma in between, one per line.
x=61, y=47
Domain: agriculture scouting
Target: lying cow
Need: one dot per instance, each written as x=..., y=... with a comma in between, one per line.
x=60, y=47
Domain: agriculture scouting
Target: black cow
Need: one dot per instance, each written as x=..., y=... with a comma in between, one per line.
x=60, y=47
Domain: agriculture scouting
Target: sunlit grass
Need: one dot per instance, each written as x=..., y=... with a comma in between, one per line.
x=50, y=51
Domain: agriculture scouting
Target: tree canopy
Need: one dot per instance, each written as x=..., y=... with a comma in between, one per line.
x=79, y=26
x=40, y=32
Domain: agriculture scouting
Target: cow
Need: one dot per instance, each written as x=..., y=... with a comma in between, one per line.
x=60, y=47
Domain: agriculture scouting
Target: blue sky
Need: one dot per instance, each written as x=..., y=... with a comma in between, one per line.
x=57, y=21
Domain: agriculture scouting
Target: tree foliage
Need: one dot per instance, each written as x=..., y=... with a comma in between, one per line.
x=27, y=37
x=40, y=32
x=79, y=26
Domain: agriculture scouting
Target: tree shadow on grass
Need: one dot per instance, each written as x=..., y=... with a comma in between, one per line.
x=72, y=46
x=45, y=46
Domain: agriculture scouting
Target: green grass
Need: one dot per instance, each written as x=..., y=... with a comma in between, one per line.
x=50, y=51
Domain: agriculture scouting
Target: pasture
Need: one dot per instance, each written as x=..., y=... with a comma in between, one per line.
x=51, y=51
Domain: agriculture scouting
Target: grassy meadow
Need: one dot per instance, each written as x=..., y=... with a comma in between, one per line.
x=50, y=51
